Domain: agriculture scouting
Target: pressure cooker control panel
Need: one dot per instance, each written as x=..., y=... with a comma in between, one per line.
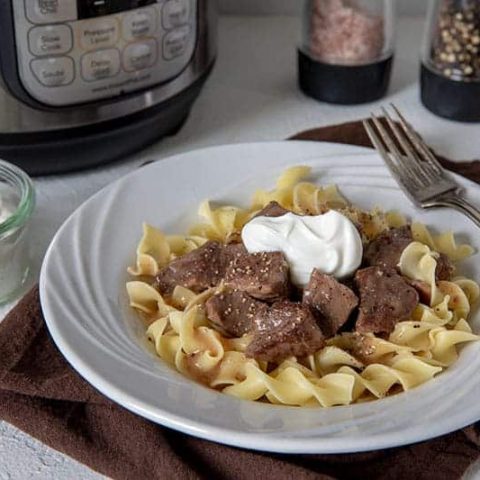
x=77, y=51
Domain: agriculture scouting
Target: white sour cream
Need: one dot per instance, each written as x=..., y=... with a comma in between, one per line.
x=329, y=242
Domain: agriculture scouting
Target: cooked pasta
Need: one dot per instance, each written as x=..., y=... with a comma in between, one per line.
x=340, y=373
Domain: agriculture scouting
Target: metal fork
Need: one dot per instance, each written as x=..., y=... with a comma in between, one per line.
x=414, y=166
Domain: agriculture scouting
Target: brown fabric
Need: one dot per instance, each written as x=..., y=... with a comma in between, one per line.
x=42, y=395
x=353, y=133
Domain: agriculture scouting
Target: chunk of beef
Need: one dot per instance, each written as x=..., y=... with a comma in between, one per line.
x=233, y=312
x=285, y=329
x=232, y=251
x=444, y=271
x=423, y=288
x=273, y=209
x=198, y=270
x=262, y=275
x=385, y=299
x=445, y=268
x=330, y=301
x=362, y=347
x=359, y=345
x=386, y=249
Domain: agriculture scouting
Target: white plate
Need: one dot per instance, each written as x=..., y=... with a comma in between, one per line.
x=82, y=288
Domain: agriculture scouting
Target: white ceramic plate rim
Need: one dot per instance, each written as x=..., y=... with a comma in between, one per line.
x=288, y=443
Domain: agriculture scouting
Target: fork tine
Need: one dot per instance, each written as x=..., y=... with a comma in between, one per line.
x=414, y=161
x=413, y=177
x=405, y=167
x=379, y=146
x=418, y=142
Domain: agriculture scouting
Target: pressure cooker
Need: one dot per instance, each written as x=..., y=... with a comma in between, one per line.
x=83, y=82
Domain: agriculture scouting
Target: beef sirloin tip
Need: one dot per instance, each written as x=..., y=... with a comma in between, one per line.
x=330, y=301
x=263, y=275
x=385, y=299
x=198, y=270
x=233, y=312
x=386, y=249
x=283, y=330
x=273, y=209
x=445, y=268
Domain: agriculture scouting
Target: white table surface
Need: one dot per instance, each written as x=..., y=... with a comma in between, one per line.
x=251, y=96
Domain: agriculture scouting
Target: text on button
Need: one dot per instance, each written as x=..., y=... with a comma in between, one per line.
x=54, y=72
x=99, y=34
x=138, y=56
x=175, y=13
x=51, y=11
x=175, y=42
x=52, y=39
x=100, y=65
x=139, y=24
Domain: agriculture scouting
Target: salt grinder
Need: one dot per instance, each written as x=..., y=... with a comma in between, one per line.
x=346, y=52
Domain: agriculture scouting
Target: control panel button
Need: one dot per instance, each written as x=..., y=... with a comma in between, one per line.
x=50, y=40
x=175, y=42
x=139, y=24
x=53, y=72
x=97, y=34
x=138, y=56
x=175, y=13
x=100, y=65
x=50, y=11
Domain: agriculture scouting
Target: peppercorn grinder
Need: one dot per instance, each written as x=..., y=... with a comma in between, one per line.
x=450, y=70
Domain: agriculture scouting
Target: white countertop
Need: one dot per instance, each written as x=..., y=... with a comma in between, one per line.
x=251, y=96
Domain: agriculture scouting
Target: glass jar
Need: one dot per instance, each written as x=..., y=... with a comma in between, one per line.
x=17, y=200
x=346, y=50
x=450, y=73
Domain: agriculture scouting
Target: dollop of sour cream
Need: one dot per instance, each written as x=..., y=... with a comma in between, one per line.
x=329, y=242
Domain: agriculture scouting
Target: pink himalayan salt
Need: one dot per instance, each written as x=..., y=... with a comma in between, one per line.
x=344, y=33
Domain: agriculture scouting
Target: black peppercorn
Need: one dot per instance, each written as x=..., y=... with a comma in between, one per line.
x=450, y=71
x=455, y=48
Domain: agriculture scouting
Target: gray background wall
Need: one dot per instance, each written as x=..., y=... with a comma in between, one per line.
x=409, y=7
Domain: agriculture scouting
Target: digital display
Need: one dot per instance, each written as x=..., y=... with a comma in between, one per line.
x=98, y=8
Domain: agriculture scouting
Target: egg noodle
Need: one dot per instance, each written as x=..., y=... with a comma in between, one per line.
x=417, y=349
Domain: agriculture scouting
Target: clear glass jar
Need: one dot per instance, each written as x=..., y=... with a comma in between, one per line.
x=346, y=50
x=17, y=201
x=450, y=79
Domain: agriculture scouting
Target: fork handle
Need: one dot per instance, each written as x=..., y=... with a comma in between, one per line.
x=460, y=204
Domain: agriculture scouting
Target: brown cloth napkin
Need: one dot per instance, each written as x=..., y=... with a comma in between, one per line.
x=42, y=395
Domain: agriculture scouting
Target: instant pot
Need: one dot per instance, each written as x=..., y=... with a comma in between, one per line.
x=84, y=82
